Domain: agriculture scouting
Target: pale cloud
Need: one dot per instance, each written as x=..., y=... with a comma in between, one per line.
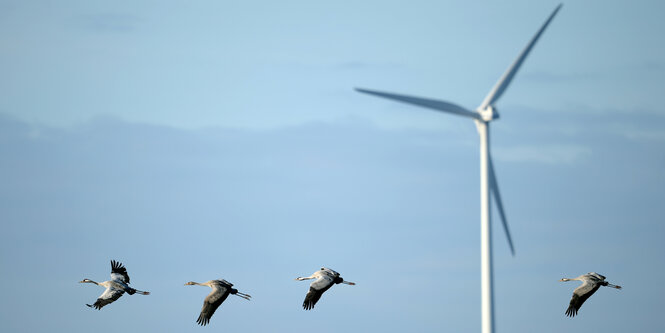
x=545, y=154
x=107, y=22
x=638, y=132
x=653, y=135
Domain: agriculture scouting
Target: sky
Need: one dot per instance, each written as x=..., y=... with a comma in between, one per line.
x=214, y=139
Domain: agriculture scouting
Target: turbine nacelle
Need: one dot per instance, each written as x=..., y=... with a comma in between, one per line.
x=489, y=113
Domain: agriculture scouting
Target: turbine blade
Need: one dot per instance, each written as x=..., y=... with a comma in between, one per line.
x=494, y=188
x=428, y=103
x=504, y=81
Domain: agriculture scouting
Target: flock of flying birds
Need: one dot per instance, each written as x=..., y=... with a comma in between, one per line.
x=323, y=280
x=221, y=289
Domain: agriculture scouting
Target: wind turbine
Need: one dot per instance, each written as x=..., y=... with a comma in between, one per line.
x=482, y=116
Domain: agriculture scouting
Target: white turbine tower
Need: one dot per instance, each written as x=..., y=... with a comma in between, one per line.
x=482, y=116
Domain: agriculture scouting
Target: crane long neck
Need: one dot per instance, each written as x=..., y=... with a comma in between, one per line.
x=89, y=281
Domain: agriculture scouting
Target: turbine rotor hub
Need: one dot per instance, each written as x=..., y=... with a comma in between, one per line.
x=489, y=113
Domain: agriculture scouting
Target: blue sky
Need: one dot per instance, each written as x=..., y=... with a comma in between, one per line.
x=217, y=139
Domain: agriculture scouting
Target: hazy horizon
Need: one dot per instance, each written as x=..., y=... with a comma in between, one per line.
x=224, y=140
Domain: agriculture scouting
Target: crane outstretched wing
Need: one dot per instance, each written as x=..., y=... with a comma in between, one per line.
x=580, y=295
x=311, y=298
x=119, y=272
x=109, y=296
x=226, y=284
x=316, y=289
x=219, y=293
